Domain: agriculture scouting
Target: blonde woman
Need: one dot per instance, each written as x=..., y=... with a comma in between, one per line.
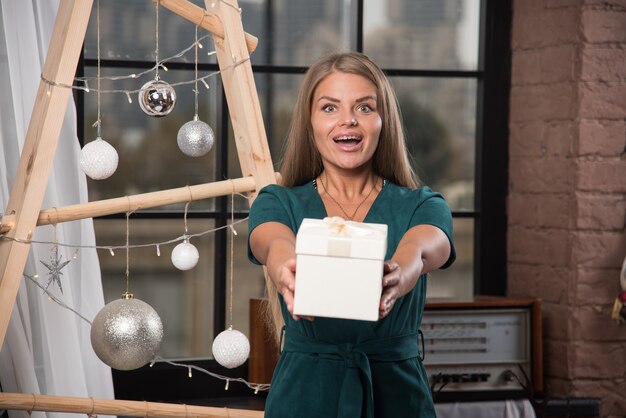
x=346, y=156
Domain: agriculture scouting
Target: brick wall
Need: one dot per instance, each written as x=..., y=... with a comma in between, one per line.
x=567, y=188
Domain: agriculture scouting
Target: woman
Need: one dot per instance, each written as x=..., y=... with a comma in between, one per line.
x=346, y=156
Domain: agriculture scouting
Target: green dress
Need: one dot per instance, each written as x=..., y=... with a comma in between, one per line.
x=347, y=368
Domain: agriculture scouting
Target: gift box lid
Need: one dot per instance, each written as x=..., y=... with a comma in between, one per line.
x=336, y=237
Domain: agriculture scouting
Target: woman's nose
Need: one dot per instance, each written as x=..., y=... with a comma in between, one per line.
x=349, y=120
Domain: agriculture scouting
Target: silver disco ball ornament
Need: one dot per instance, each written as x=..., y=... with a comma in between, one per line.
x=157, y=98
x=98, y=159
x=231, y=348
x=126, y=333
x=195, y=138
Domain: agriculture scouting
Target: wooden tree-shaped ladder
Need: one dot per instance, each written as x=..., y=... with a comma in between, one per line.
x=23, y=213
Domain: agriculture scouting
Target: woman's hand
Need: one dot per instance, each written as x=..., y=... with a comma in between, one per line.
x=395, y=285
x=285, y=280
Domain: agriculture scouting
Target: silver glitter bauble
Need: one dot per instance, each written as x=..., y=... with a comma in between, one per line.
x=231, y=348
x=185, y=256
x=98, y=159
x=195, y=138
x=126, y=333
x=157, y=98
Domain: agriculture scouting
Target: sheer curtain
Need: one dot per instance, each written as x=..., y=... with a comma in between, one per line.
x=47, y=348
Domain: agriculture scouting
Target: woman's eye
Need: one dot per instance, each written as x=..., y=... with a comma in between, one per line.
x=328, y=108
x=364, y=108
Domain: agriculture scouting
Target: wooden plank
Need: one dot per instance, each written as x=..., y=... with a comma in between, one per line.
x=91, y=407
x=241, y=95
x=40, y=145
x=205, y=18
x=264, y=351
x=138, y=201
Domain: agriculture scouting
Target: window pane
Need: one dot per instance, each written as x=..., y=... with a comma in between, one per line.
x=422, y=34
x=247, y=282
x=440, y=121
x=456, y=281
x=128, y=32
x=297, y=31
x=149, y=157
x=277, y=96
x=183, y=299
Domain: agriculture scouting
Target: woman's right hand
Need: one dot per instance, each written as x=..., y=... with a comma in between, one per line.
x=285, y=280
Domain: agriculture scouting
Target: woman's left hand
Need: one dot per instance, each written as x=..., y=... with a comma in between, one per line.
x=395, y=285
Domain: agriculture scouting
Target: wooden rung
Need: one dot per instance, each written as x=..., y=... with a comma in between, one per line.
x=91, y=406
x=204, y=18
x=138, y=201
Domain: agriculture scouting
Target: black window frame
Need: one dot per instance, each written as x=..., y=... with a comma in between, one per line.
x=167, y=383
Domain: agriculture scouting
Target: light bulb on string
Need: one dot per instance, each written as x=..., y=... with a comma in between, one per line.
x=195, y=138
x=157, y=97
x=98, y=159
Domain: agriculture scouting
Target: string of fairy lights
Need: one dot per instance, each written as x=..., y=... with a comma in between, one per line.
x=98, y=160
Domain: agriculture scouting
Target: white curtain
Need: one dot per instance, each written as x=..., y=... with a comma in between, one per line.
x=47, y=348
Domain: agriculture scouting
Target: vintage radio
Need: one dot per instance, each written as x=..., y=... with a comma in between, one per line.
x=487, y=348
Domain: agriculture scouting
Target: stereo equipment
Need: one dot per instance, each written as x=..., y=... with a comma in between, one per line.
x=487, y=348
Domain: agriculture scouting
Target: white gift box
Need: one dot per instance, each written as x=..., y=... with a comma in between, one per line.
x=339, y=268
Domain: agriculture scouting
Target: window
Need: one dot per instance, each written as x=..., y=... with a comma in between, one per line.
x=448, y=62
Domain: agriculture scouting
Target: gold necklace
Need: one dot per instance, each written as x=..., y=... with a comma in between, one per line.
x=350, y=218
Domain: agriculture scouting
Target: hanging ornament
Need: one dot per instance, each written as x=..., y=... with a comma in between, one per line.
x=157, y=98
x=185, y=256
x=231, y=348
x=126, y=333
x=98, y=159
x=195, y=138
x=55, y=266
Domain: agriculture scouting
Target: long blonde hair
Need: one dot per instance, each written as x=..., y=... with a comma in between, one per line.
x=301, y=160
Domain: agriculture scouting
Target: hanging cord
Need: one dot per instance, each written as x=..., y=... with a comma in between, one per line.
x=156, y=36
x=99, y=120
x=127, y=252
x=232, y=253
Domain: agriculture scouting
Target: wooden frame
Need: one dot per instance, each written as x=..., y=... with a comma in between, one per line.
x=23, y=213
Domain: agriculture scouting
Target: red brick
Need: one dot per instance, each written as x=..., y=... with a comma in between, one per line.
x=552, y=285
x=599, y=100
x=600, y=212
x=594, y=323
x=598, y=360
x=596, y=286
x=543, y=102
x=549, y=65
x=541, y=28
x=598, y=249
x=557, y=359
x=600, y=26
x=609, y=391
x=540, y=210
x=542, y=139
x=601, y=175
x=603, y=138
x=557, y=322
x=558, y=387
x=547, y=247
x=603, y=63
x=545, y=175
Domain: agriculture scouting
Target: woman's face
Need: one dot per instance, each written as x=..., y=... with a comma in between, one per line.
x=345, y=121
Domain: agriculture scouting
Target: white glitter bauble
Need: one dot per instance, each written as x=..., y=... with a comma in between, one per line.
x=157, y=98
x=98, y=159
x=185, y=256
x=126, y=333
x=195, y=138
x=231, y=348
